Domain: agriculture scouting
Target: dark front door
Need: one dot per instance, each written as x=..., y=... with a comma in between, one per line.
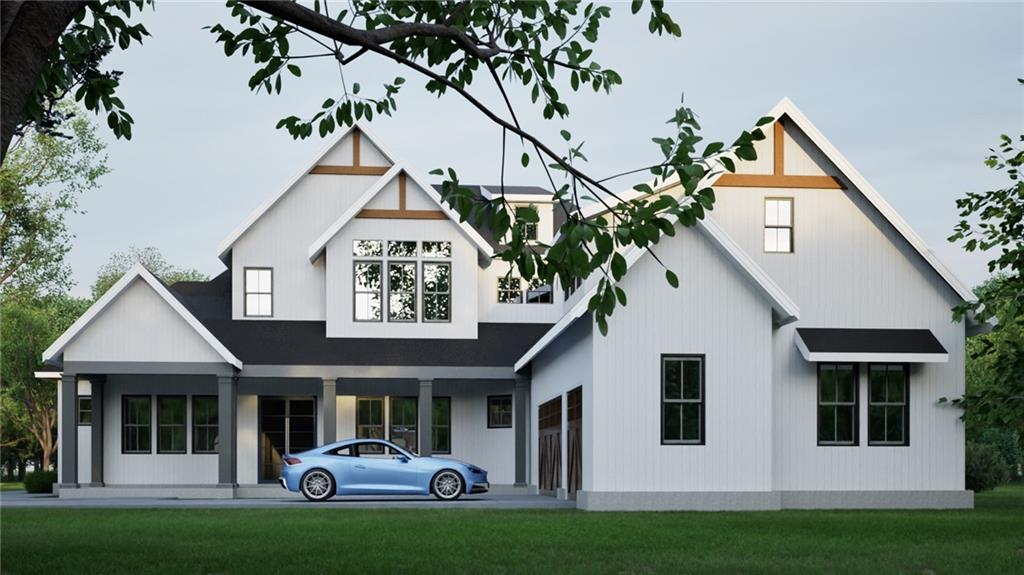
x=574, y=439
x=287, y=425
x=549, y=419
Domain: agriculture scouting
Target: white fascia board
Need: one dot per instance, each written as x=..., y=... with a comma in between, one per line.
x=47, y=375
x=876, y=357
x=490, y=194
x=252, y=218
x=138, y=271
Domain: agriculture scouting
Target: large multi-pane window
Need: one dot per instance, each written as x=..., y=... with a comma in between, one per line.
x=441, y=425
x=682, y=399
x=204, y=424
x=778, y=225
x=403, y=422
x=402, y=291
x=837, y=404
x=499, y=411
x=370, y=420
x=512, y=289
x=437, y=292
x=394, y=266
x=259, y=292
x=888, y=404
x=368, y=291
x=136, y=417
x=171, y=417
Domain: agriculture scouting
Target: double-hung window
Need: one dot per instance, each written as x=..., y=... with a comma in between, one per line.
x=778, y=225
x=136, y=417
x=259, y=292
x=437, y=291
x=401, y=282
x=367, y=281
x=204, y=424
x=441, y=425
x=888, y=404
x=171, y=416
x=682, y=400
x=85, y=410
x=837, y=404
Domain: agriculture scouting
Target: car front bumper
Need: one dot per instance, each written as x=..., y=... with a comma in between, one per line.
x=482, y=487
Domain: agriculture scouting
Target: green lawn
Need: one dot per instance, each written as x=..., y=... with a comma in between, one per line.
x=989, y=539
x=12, y=486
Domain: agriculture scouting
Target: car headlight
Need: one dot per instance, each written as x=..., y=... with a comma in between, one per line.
x=476, y=470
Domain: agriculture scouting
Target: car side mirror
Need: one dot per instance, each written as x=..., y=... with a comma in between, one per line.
x=403, y=459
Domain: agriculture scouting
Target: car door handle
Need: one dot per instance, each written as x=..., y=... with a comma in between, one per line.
x=360, y=466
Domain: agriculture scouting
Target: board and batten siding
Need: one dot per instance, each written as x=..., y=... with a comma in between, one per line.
x=851, y=269
x=715, y=312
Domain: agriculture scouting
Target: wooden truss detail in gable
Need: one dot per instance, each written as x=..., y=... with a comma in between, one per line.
x=402, y=213
x=778, y=178
x=356, y=169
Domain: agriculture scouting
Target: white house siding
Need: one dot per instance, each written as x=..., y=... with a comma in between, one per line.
x=140, y=326
x=153, y=468
x=851, y=269
x=715, y=312
x=84, y=439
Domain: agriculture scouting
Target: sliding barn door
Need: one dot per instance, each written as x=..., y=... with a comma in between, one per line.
x=549, y=419
x=574, y=437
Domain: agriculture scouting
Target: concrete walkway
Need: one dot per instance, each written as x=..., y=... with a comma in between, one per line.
x=16, y=499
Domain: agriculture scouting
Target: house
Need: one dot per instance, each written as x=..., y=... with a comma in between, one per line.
x=798, y=364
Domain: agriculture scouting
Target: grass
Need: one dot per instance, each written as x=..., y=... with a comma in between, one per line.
x=988, y=539
x=12, y=486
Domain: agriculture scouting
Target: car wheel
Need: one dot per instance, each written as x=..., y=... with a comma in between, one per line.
x=447, y=485
x=317, y=485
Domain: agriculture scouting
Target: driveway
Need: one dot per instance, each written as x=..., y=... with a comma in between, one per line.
x=14, y=499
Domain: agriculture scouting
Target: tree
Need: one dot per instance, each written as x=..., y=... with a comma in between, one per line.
x=150, y=257
x=538, y=46
x=40, y=183
x=30, y=324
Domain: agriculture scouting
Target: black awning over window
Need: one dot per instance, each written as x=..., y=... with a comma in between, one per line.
x=870, y=345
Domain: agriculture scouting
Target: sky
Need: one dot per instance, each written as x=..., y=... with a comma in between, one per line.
x=913, y=95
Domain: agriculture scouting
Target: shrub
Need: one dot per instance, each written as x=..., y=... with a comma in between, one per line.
x=1007, y=441
x=40, y=481
x=985, y=467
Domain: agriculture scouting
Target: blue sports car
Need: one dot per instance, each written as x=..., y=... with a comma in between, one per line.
x=377, y=467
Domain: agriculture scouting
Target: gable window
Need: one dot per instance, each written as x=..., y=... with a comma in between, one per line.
x=682, y=400
x=437, y=292
x=170, y=418
x=837, y=404
x=499, y=411
x=370, y=420
x=402, y=291
x=437, y=249
x=259, y=290
x=136, y=417
x=204, y=424
x=367, y=248
x=441, y=425
x=529, y=228
x=888, y=404
x=402, y=249
x=403, y=422
x=778, y=225
x=85, y=410
x=368, y=290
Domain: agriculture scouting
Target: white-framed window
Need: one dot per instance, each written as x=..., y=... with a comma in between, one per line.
x=778, y=225
x=437, y=291
x=259, y=292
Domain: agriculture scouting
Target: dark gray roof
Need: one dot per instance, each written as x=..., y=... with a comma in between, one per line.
x=846, y=340
x=519, y=190
x=280, y=342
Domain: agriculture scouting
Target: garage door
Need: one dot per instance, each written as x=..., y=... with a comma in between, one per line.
x=549, y=419
x=574, y=436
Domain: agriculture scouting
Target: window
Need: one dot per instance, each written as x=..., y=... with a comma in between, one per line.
x=347, y=451
x=437, y=249
x=510, y=290
x=888, y=404
x=135, y=422
x=499, y=411
x=529, y=229
x=370, y=419
x=778, y=225
x=437, y=291
x=402, y=291
x=682, y=400
x=367, y=248
x=837, y=404
x=170, y=418
x=259, y=289
x=368, y=291
x=204, y=424
x=85, y=410
x=402, y=249
x=441, y=425
x=539, y=293
x=403, y=422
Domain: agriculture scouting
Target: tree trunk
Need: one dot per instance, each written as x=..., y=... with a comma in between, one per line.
x=21, y=469
x=28, y=34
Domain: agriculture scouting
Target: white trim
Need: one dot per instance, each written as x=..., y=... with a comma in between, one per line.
x=252, y=218
x=517, y=198
x=136, y=272
x=318, y=246
x=47, y=375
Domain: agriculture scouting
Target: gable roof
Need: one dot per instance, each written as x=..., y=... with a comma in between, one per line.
x=252, y=218
x=318, y=245
x=784, y=310
x=138, y=271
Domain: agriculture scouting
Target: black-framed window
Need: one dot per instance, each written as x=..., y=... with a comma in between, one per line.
x=204, y=424
x=441, y=249
x=171, y=420
x=402, y=290
x=837, y=404
x=402, y=424
x=370, y=418
x=682, y=400
x=510, y=289
x=84, y=410
x=778, y=225
x=441, y=425
x=888, y=404
x=539, y=293
x=499, y=411
x=368, y=290
x=259, y=292
x=529, y=228
x=437, y=291
x=136, y=423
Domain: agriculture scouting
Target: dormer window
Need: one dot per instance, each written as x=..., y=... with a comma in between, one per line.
x=514, y=290
x=259, y=292
x=529, y=229
x=778, y=225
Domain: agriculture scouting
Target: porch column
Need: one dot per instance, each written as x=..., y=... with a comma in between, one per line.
x=424, y=421
x=97, y=383
x=68, y=431
x=329, y=410
x=227, y=430
x=520, y=416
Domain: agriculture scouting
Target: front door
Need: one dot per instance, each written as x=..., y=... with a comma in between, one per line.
x=574, y=439
x=287, y=425
x=549, y=419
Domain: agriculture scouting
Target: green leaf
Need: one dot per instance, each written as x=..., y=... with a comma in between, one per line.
x=295, y=70
x=566, y=135
x=525, y=159
x=672, y=279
